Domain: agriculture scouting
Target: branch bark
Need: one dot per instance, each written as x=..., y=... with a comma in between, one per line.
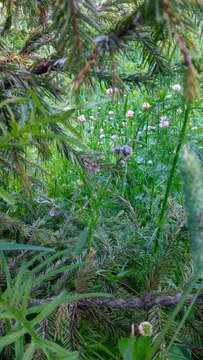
x=145, y=302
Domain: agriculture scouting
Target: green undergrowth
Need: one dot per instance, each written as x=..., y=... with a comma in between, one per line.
x=108, y=220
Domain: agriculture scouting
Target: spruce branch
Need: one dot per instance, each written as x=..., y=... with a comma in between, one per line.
x=145, y=302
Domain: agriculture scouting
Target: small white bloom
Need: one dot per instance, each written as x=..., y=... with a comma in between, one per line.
x=176, y=87
x=164, y=122
x=101, y=130
x=111, y=113
x=92, y=117
x=124, y=123
x=179, y=111
x=145, y=328
x=146, y=106
x=102, y=136
x=163, y=118
x=130, y=114
x=114, y=137
x=91, y=127
x=66, y=108
x=150, y=162
x=194, y=128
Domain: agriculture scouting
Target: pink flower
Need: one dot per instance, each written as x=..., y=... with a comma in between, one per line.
x=146, y=106
x=116, y=90
x=130, y=114
x=112, y=91
x=109, y=91
x=82, y=118
x=164, y=122
x=53, y=212
x=92, y=166
x=95, y=169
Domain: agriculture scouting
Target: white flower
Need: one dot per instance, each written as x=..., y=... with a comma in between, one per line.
x=114, y=137
x=194, y=128
x=146, y=106
x=164, y=122
x=66, y=108
x=145, y=328
x=130, y=114
x=101, y=130
x=176, y=87
x=82, y=118
x=101, y=136
x=92, y=117
x=111, y=113
x=91, y=127
x=179, y=111
x=163, y=118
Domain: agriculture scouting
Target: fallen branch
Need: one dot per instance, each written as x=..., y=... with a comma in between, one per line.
x=145, y=302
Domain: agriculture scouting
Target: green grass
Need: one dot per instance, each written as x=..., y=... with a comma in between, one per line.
x=110, y=218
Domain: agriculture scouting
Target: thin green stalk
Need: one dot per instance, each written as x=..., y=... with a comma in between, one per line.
x=175, y=312
x=172, y=173
x=183, y=320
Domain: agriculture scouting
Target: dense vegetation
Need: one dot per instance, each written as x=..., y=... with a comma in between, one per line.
x=101, y=187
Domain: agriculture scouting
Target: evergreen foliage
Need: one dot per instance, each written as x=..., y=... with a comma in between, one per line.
x=117, y=234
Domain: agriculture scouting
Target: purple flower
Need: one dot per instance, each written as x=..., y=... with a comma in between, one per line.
x=117, y=150
x=53, y=212
x=122, y=163
x=91, y=166
x=126, y=151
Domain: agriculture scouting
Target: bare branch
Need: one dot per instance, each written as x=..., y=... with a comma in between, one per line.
x=144, y=302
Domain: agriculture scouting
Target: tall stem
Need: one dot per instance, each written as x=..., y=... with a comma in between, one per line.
x=172, y=173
